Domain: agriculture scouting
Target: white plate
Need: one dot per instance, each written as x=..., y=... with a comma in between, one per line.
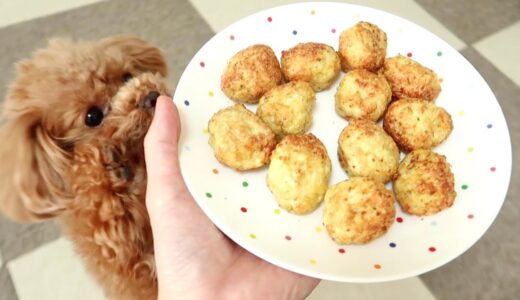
x=241, y=205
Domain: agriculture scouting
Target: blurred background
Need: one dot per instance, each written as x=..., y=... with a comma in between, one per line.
x=37, y=263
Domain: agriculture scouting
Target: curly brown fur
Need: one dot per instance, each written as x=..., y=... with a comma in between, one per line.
x=92, y=178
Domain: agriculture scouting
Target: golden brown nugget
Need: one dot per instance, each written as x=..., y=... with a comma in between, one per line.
x=240, y=139
x=299, y=173
x=358, y=210
x=362, y=46
x=364, y=149
x=362, y=95
x=250, y=73
x=424, y=183
x=316, y=63
x=417, y=124
x=410, y=79
x=287, y=108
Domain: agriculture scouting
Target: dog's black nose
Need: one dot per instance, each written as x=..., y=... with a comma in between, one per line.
x=150, y=99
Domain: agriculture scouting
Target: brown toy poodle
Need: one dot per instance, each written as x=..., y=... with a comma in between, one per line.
x=73, y=126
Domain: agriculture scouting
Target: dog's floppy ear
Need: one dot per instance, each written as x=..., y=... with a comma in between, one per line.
x=31, y=161
x=145, y=56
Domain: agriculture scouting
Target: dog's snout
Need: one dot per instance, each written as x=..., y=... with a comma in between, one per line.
x=150, y=99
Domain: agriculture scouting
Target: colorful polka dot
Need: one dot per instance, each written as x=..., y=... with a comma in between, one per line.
x=318, y=229
x=399, y=220
x=464, y=187
x=277, y=211
x=312, y=261
x=313, y=12
x=461, y=113
x=377, y=266
x=439, y=53
x=432, y=249
x=209, y=195
x=392, y=245
x=409, y=54
x=243, y=209
x=211, y=94
x=471, y=149
x=492, y=169
x=252, y=235
x=186, y=102
x=232, y=37
x=489, y=126
x=434, y=223
x=202, y=64
x=294, y=32
x=288, y=237
x=215, y=171
x=341, y=250
x=471, y=216
x=333, y=30
x=269, y=19
x=245, y=184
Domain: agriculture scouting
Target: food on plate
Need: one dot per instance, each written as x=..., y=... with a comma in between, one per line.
x=410, y=79
x=316, y=63
x=364, y=149
x=287, y=108
x=424, y=183
x=358, y=210
x=299, y=173
x=417, y=124
x=362, y=95
x=362, y=46
x=240, y=139
x=250, y=73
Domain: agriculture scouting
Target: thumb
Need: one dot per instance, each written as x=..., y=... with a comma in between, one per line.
x=161, y=153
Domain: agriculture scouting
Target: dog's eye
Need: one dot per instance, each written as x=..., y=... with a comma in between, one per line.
x=94, y=117
x=127, y=77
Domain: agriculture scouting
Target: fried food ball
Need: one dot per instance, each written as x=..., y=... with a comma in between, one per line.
x=299, y=173
x=316, y=63
x=424, y=183
x=240, y=139
x=410, y=79
x=358, y=210
x=364, y=149
x=287, y=108
x=417, y=124
x=362, y=46
x=250, y=73
x=362, y=95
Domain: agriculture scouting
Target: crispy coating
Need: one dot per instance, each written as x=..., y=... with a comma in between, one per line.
x=424, y=183
x=358, y=210
x=240, y=139
x=250, y=73
x=410, y=79
x=316, y=63
x=417, y=124
x=287, y=108
x=299, y=173
x=362, y=46
x=364, y=149
x=362, y=95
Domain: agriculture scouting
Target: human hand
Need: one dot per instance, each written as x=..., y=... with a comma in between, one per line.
x=194, y=260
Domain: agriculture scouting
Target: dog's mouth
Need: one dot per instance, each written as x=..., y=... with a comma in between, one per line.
x=133, y=107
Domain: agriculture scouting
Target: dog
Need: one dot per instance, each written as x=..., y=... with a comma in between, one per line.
x=73, y=125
